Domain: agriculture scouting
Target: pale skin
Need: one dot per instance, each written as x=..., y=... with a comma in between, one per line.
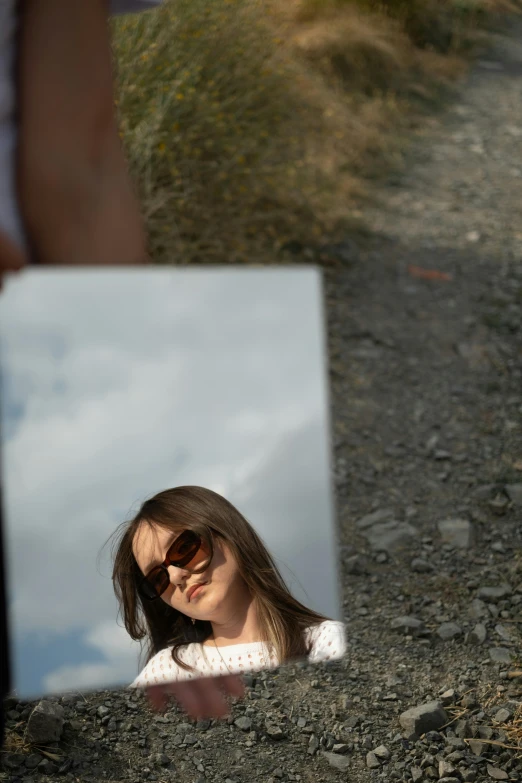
x=224, y=600
x=74, y=192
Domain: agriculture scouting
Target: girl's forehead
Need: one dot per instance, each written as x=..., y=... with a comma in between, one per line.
x=150, y=538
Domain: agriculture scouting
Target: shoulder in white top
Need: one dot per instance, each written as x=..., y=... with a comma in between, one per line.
x=328, y=644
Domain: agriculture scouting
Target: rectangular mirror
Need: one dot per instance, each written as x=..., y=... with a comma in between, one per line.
x=118, y=385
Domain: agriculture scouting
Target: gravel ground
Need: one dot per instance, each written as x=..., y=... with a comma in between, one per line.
x=426, y=374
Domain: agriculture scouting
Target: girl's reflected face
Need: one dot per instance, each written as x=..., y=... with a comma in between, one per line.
x=207, y=595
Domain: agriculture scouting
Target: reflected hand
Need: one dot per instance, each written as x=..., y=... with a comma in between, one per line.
x=205, y=697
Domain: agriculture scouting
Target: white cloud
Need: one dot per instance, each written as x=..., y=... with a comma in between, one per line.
x=130, y=382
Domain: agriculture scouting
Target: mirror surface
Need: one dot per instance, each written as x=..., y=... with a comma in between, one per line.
x=117, y=384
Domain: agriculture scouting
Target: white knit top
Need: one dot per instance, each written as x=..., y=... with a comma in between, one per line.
x=327, y=640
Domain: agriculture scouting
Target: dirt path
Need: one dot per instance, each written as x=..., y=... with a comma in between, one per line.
x=427, y=412
x=427, y=401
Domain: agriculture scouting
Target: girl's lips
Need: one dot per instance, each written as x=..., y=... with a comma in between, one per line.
x=194, y=593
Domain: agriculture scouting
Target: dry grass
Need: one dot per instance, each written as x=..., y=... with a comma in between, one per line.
x=248, y=123
x=512, y=728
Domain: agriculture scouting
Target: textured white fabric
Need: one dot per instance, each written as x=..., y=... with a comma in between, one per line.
x=327, y=640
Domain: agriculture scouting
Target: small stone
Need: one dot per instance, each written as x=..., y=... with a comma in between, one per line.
x=494, y=593
x=457, y=532
x=356, y=564
x=416, y=774
x=301, y=723
x=514, y=492
x=420, y=566
x=162, y=759
x=448, y=697
x=476, y=747
x=382, y=753
x=371, y=519
x=478, y=634
x=448, y=631
x=503, y=715
x=500, y=655
x=47, y=767
x=425, y=717
x=390, y=536
x=496, y=773
x=32, y=761
x=446, y=769
x=45, y=724
x=372, y=762
x=478, y=609
x=338, y=762
x=499, y=505
x=340, y=747
x=13, y=760
x=473, y=236
x=243, y=723
x=503, y=632
x=313, y=745
x=102, y=711
x=407, y=624
x=274, y=732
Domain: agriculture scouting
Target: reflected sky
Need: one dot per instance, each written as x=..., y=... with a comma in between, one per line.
x=118, y=384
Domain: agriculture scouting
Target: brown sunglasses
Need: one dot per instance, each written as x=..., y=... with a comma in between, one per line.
x=188, y=551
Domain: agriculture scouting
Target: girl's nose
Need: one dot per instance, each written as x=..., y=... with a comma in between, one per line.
x=177, y=575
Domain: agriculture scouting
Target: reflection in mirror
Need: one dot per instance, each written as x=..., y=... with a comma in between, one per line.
x=166, y=472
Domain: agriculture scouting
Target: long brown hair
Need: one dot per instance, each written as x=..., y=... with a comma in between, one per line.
x=282, y=619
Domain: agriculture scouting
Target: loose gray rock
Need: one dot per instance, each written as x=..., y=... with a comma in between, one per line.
x=478, y=609
x=13, y=760
x=514, y=492
x=313, y=745
x=243, y=723
x=478, y=634
x=477, y=747
x=503, y=632
x=500, y=654
x=372, y=762
x=416, y=774
x=448, y=631
x=340, y=747
x=407, y=624
x=357, y=565
x=389, y=536
x=421, y=566
x=457, y=532
x=371, y=519
x=496, y=773
x=446, y=769
x=448, y=697
x=274, y=732
x=503, y=715
x=338, y=762
x=45, y=723
x=426, y=717
x=382, y=753
x=494, y=593
x=32, y=761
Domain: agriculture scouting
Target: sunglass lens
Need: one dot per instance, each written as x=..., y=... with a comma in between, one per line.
x=188, y=551
x=155, y=584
